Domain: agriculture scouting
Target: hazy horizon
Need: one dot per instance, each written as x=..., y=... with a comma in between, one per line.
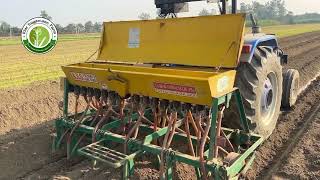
x=74, y=11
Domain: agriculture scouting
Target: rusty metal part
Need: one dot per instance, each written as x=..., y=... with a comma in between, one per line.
x=191, y=120
x=88, y=101
x=102, y=121
x=164, y=118
x=175, y=117
x=76, y=107
x=121, y=114
x=132, y=130
x=92, y=122
x=200, y=132
x=80, y=121
x=164, y=144
x=218, y=131
x=180, y=130
x=198, y=119
x=186, y=125
x=201, y=149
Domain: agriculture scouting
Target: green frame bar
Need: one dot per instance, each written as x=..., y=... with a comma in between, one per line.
x=214, y=113
x=65, y=97
x=212, y=165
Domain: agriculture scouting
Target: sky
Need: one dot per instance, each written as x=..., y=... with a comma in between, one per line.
x=17, y=12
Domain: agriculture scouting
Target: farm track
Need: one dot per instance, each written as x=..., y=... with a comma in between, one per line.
x=26, y=154
x=294, y=140
x=272, y=156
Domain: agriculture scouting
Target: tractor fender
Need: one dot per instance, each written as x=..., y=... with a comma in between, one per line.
x=260, y=39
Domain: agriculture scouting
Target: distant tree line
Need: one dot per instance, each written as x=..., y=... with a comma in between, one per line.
x=88, y=27
x=72, y=28
x=8, y=30
x=273, y=12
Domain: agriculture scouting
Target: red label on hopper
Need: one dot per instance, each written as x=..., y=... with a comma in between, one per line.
x=175, y=89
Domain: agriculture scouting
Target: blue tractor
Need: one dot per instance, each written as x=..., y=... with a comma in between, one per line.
x=265, y=85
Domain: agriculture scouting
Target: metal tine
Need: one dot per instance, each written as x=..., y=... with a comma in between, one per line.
x=80, y=121
x=90, y=94
x=176, y=108
x=77, y=94
x=218, y=130
x=155, y=109
x=198, y=119
x=106, y=115
x=164, y=106
x=140, y=103
x=112, y=97
x=94, y=118
x=187, y=129
x=165, y=141
x=144, y=102
x=202, y=144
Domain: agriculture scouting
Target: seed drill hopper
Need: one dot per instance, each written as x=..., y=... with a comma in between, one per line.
x=160, y=87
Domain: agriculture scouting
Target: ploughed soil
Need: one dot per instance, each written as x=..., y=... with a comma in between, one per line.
x=303, y=162
x=304, y=55
x=26, y=129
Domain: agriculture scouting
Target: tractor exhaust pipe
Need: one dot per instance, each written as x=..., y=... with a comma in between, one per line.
x=255, y=27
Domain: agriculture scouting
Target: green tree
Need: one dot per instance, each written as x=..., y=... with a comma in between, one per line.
x=44, y=14
x=281, y=8
x=97, y=27
x=80, y=28
x=260, y=10
x=289, y=18
x=4, y=29
x=273, y=9
x=70, y=28
x=59, y=28
x=16, y=31
x=307, y=18
x=244, y=8
x=88, y=26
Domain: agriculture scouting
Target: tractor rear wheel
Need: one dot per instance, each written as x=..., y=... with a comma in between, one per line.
x=260, y=85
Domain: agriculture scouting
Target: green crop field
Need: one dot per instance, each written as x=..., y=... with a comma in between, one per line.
x=19, y=67
x=290, y=30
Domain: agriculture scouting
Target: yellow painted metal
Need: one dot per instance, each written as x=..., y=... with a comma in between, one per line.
x=208, y=41
x=185, y=85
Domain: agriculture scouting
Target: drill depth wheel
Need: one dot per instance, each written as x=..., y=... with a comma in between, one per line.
x=290, y=88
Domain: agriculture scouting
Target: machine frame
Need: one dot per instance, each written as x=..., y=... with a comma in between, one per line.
x=219, y=170
x=124, y=63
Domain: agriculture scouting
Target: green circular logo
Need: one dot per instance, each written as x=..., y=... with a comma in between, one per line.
x=39, y=35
